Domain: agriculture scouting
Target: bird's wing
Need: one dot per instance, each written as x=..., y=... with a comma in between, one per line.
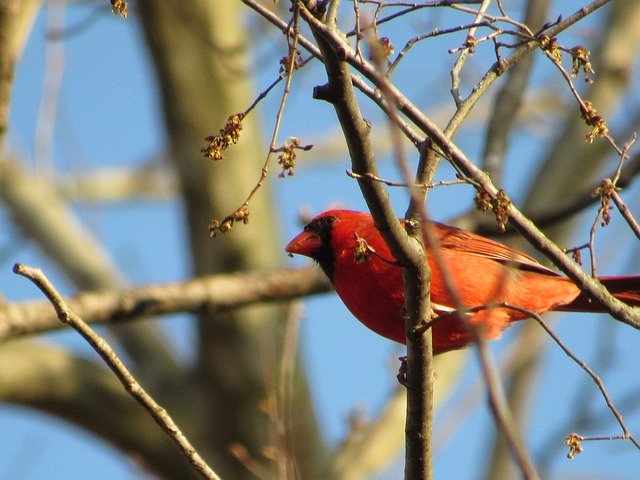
x=463, y=241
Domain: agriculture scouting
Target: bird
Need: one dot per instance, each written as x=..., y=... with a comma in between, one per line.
x=488, y=277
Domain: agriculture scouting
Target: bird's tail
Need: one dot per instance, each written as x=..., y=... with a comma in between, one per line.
x=625, y=289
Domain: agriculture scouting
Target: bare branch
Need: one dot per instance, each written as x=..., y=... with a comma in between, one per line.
x=597, y=380
x=339, y=92
x=502, y=415
x=206, y=294
x=103, y=349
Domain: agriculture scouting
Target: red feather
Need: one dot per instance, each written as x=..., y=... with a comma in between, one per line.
x=484, y=271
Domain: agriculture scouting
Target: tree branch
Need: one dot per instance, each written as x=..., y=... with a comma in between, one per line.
x=207, y=294
x=409, y=252
x=529, y=231
x=65, y=240
x=103, y=349
x=81, y=391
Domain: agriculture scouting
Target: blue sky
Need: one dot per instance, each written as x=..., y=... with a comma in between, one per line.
x=109, y=116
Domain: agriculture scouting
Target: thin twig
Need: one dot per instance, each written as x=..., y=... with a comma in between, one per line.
x=391, y=183
x=586, y=109
x=99, y=344
x=624, y=211
x=597, y=380
x=434, y=33
x=412, y=7
x=457, y=68
x=501, y=412
x=357, y=81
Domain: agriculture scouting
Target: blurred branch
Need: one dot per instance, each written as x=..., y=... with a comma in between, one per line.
x=508, y=100
x=131, y=385
x=54, y=70
x=368, y=449
x=44, y=217
x=284, y=421
x=81, y=391
x=151, y=181
x=211, y=294
x=16, y=17
x=520, y=383
x=504, y=420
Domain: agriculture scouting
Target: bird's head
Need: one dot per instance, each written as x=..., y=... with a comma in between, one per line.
x=315, y=241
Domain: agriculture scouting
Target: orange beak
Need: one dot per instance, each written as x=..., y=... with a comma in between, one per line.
x=305, y=243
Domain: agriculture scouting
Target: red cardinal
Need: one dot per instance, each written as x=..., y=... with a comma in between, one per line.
x=369, y=281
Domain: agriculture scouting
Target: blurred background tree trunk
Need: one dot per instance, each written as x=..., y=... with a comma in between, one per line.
x=201, y=53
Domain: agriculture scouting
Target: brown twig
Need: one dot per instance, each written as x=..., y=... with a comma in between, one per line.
x=412, y=7
x=391, y=183
x=624, y=211
x=599, y=128
x=457, y=68
x=159, y=414
x=563, y=210
x=596, y=379
x=242, y=212
x=493, y=18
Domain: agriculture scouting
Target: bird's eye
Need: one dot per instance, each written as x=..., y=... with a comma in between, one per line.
x=320, y=226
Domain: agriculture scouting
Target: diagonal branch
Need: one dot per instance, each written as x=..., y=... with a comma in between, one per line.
x=159, y=414
x=81, y=391
x=481, y=181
